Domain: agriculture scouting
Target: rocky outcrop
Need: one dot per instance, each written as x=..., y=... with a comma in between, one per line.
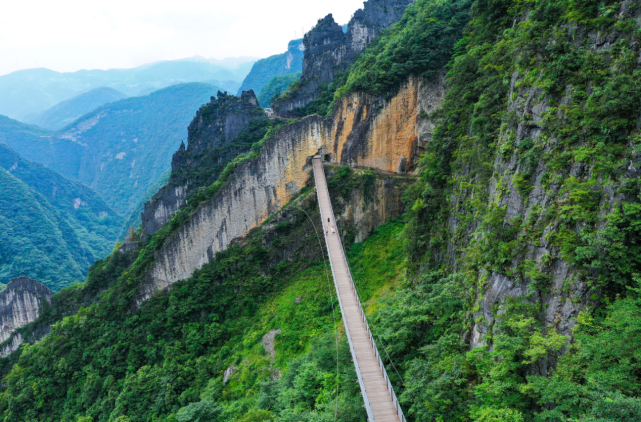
x=364, y=131
x=328, y=49
x=211, y=132
x=19, y=305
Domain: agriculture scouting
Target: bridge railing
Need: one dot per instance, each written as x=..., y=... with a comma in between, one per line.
x=360, y=306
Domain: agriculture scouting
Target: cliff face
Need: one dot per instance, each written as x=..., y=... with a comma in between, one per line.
x=363, y=132
x=329, y=50
x=19, y=305
x=211, y=134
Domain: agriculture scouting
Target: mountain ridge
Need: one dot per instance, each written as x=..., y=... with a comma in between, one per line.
x=32, y=91
x=121, y=148
x=66, y=112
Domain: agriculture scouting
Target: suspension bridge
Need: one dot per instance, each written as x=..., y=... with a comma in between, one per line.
x=380, y=400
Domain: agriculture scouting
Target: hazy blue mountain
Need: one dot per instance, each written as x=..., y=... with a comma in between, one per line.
x=23, y=136
x=121, y=148
x=51, y=228
x=238, y=66
x=282, y=64
x=66, y=112
x=276, y=86
x=32, y=91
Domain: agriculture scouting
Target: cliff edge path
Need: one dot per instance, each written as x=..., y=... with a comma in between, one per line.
x=380, y=401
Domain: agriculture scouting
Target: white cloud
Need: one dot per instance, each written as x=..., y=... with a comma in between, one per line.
x=69, y=35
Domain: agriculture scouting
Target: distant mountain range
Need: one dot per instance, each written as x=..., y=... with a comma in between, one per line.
x=264, y=70
x=66, y=112
x=119, y=149
x=51, y=228
x=27, y=93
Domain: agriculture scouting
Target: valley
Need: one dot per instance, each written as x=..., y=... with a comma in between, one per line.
x=480, y=159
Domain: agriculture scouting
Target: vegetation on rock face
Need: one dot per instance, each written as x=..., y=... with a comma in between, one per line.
x=421, y=43
x=541, y=116
x=51, y=229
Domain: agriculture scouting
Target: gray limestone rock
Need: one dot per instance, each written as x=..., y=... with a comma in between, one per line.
x=215, y=125
x=328, y=49
x=19, y=305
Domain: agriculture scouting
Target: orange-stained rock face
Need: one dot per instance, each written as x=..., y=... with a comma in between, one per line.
x=385, y=140
x=363, y=131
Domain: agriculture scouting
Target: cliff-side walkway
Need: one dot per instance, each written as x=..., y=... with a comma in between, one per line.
x=378, y=394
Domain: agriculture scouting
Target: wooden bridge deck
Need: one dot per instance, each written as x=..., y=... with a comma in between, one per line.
x=372, y=379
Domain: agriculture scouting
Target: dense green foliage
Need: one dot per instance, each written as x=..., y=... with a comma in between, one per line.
x=51, y=229
x=421, y=43
x=122, y=148
x=275, y=87
x=166, y=360
x=517, y=57
x=266, y=69
x=326, y=96
x=65, y=112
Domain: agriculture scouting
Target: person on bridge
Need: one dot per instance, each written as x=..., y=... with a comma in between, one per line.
x=333, y=230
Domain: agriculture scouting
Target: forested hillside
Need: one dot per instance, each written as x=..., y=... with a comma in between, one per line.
x=266, y=69
x=121, y=148
x=276, y=86
x=52, y=229
x=13, y=132
x=66, y=112
x=507, y=290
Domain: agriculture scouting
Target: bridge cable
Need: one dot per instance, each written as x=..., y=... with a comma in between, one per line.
x=331, y=296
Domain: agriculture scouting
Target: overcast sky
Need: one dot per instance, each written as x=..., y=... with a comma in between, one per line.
x=68, y=35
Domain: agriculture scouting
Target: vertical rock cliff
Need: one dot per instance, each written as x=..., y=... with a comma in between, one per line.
x=364, y=131
x=329, y=50
x=212, y=141
x=19, y=305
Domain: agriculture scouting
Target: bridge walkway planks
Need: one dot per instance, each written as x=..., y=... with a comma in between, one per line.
x=372, y=378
